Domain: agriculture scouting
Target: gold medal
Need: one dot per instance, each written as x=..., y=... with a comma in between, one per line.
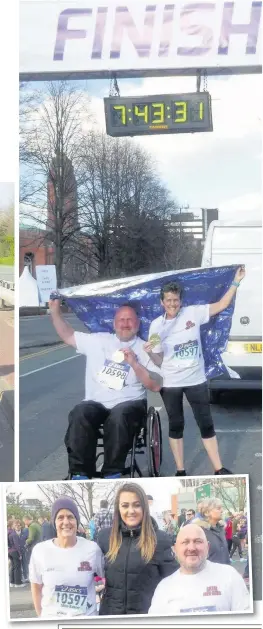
x=118, y=356
x=155, y=339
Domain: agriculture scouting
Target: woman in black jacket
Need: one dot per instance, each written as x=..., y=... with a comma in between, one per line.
x=137, y=555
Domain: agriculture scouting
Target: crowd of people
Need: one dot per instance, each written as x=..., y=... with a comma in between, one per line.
x=121, y=367
x=129, y=559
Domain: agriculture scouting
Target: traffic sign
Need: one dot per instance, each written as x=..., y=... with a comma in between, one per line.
x=203, y=492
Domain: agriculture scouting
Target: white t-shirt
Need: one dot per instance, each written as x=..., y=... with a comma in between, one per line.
x=99, y=349
x=183, y=362
x=67, y=576
x=217, y=588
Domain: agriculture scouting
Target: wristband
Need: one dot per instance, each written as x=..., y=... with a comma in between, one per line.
x=235, y=284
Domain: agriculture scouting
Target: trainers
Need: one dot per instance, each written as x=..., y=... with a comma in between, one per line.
x=242, y=559
x=113, y=475
x=181, y=473
x=223, y=472
x=11, y=585
x=79, y=477
x=21, y=585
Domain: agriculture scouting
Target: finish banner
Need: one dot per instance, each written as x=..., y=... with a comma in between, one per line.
x=96, y=304
x=89, y=38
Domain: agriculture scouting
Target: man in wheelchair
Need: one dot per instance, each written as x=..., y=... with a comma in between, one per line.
x=118, y=373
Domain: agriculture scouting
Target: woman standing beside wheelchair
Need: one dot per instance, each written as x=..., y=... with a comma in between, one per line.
x=175, y=346
x=137, y=555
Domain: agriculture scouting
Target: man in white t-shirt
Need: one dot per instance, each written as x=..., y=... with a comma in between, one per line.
x=118, y=373
x=62, y=570
x=199, y=586
x=175, y=346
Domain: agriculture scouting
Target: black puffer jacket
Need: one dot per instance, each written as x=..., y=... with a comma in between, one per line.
x=130, y=582
x=215, y=535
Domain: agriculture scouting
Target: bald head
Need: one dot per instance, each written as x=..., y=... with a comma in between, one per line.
x=126, y=323
x=191, y=548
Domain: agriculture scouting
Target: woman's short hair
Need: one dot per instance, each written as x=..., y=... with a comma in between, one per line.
x=208, y=504
x=147, y=539
x=171, y=287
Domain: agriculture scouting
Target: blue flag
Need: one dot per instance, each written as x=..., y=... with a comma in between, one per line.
x=95, y=304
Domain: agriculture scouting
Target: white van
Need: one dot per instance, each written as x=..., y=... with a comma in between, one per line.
x=229, y=243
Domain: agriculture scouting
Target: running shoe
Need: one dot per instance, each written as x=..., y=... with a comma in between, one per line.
x=118, y=475
x=21, y=585
x=181, y=473
x=242, y=559
x=79, y=477
x=223, y=472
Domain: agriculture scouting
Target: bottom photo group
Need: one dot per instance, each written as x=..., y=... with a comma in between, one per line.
x=160, y=547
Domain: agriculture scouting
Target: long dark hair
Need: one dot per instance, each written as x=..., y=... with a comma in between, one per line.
x=147, y=538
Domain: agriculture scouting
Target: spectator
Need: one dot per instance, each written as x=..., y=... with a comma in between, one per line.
x=158, y=518
x=211, y=515
x=14, y=555
x=103, y=518
x=199, y=586
x=242, y=531
x=236, y=545
x=92, y=528
x=181, y=518
x=47, y=529
x=34, y=534
x=22, y=534
x=229, y=531
x=171, y=526
x=190, y=515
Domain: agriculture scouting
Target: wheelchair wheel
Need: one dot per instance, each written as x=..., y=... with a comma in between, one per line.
x=154, y=442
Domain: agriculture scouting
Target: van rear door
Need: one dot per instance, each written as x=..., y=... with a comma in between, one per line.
x=242, y=245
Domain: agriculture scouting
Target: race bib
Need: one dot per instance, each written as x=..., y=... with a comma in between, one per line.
x=113, y=375
x=187, y=354
x=73, y=598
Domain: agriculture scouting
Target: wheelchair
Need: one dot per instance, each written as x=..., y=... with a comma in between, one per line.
x=149, y=439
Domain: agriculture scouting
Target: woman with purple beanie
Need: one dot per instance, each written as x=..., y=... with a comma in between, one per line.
x=61, y=570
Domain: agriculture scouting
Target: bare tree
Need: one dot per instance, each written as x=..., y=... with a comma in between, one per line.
x=85, y=495
x=124, y=206
x=51, y=149
x=232, y=493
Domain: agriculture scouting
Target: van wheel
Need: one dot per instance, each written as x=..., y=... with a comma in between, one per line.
x=214, y=396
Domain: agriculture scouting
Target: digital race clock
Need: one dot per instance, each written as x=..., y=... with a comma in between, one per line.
x=149, y=115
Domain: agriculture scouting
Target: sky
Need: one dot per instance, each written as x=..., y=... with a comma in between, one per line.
x=6, y=195
x=160, y=488
x=221, y=169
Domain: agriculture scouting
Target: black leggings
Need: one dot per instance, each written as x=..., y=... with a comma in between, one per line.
x=198, y=399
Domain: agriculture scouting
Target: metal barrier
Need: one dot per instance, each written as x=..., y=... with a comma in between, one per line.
x=7, y=293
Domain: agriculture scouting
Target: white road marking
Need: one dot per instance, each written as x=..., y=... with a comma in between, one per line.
x=233, y=430
x=29, y=373
x=258, y=454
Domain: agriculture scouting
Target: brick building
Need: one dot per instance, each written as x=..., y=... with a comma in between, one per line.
x=37, y=246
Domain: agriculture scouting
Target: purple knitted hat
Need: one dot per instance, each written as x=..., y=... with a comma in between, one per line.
x=64, y=503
